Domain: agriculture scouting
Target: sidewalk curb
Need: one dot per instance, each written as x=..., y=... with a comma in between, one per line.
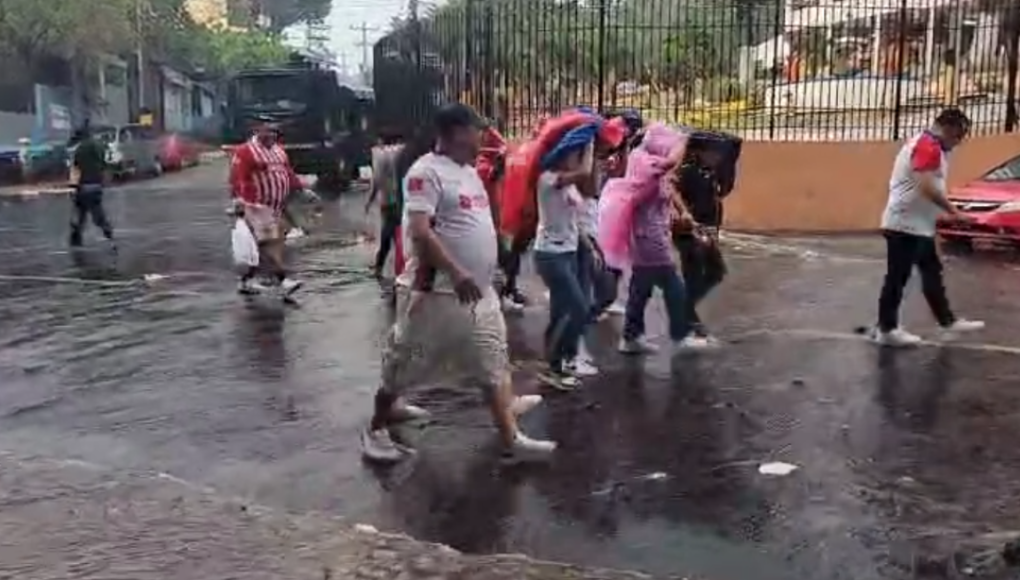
x=30, y=192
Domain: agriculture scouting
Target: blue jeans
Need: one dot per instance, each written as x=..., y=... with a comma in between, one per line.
x=568, y=306
x=643, y=281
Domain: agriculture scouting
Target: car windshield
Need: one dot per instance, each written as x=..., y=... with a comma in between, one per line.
x=271, y=92
x=1008, y=171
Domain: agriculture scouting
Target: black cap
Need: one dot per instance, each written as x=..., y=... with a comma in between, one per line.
x=953, y=117
x=456, y=116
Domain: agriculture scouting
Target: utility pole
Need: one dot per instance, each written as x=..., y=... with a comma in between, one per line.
x=342, y=58
x=139, y=55
x=364, y=29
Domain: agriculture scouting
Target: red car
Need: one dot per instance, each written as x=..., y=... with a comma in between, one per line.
x=177, y=152
x=993, y=200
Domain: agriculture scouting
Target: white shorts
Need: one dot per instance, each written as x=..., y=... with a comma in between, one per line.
x=437, y=337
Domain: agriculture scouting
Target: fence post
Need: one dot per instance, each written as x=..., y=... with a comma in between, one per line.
x=901, y=47
x=778, y=28
x=468, y=75
x=602, y=57
x=488, y=97
x=1012, y=65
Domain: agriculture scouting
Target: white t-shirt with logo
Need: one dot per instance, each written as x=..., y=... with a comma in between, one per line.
x=908, y=210
x=455, y=198
x=558, y=213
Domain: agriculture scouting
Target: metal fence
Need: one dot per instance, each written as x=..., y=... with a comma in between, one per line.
x=828, y=70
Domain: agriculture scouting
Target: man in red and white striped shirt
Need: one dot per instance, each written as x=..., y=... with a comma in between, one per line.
x=261, y=179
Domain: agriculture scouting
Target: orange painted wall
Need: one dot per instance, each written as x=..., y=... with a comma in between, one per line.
x=835, y=187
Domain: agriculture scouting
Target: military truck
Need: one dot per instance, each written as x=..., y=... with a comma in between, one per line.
x=325, y=125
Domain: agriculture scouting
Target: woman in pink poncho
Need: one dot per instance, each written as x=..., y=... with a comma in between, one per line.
x=635, y=233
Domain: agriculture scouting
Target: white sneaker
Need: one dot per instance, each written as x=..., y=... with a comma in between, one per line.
x=526, y=449
x=249, y=287
x=583, y=353
x=961, y=325
x=524, y=403
x=581, y=368
x=379, y=446
x=896, y=337
x=617, y=309
x=403, y=412
x=561, y=381
x=638, y=345
x=290, y=286
x=296, y=233
x=693, y=342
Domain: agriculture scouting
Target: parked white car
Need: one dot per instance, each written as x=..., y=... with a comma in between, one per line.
x=132, y=150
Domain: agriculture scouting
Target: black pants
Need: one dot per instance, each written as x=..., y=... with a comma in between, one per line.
x=88, y=202
x=703, y=268
x=510, y=262
x=387, y=235
x=903, y=252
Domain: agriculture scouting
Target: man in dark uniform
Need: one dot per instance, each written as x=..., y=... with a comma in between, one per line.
x=88, y=176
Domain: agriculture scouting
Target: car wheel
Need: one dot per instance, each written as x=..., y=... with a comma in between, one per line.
x=957, y=245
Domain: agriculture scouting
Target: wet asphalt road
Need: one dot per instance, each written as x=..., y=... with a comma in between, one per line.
x=899, y=453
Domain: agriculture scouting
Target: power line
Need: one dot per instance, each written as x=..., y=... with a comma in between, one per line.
x=364, y=29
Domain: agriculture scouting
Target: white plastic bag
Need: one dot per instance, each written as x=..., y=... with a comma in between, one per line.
x=246, y=249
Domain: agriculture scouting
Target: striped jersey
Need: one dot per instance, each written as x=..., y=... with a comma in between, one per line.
x=262, y=175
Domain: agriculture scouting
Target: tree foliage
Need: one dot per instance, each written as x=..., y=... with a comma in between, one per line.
x=31, y=29
x=83, y=29
x=286, y=13
x=563, y=49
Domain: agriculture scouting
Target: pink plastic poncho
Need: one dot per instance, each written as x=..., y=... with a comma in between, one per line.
x=646, y=166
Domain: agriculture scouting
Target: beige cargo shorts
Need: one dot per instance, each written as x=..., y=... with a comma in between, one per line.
x=435, y=337
x=265, y=222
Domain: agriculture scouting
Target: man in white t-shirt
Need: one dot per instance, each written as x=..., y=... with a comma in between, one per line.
x=448, y=312
x=917, y=197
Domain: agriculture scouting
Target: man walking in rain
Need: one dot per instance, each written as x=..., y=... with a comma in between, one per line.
x=88, y=173
x=261, y=179
x=448, y=311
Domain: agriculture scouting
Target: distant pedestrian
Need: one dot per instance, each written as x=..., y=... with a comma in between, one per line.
x=917, y=197
x=88, y=175
x=386, y=189
x=261, y=179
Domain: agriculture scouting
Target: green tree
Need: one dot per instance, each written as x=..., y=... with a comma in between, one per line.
x=170, y=33
x=31, y=29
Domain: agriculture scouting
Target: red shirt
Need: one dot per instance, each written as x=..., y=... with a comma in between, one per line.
x=262, y=175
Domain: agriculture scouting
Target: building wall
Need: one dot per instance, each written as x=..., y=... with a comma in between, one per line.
x=835, y=187
x=176, y=101
x=15, y=126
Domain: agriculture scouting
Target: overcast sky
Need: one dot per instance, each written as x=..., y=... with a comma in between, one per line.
x=352, y=13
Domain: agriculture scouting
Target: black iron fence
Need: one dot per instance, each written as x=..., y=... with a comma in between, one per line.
x=765, y=69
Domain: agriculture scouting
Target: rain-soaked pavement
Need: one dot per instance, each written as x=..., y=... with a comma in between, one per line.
x=148, y=362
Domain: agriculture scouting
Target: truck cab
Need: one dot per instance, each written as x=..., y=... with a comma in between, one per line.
x=324, y=125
